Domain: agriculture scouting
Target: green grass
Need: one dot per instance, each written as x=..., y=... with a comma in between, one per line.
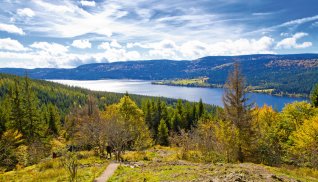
x=165, y=165
x=165, y=172
x=300, y=173
x=52, y=170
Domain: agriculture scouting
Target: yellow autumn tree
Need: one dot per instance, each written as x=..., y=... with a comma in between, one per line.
x=127, y=111
x=305, y=143
x=265, y=147
x=226, y=140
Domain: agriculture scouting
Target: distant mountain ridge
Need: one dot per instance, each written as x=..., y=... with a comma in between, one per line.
x=292, y=73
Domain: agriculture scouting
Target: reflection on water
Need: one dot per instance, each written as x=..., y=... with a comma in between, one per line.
x=141, y=87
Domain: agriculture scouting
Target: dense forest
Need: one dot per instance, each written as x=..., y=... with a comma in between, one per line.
x=38, y=118
x=282, y=74
x=35, y=113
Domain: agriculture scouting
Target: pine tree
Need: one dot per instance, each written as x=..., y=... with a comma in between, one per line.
x=236, y=108
x=200, y=109
x=179, y=107
x=54, y=120
x=5, y=107
x=188, y=116
x=177, y=122
x=157, y=118
x=32, y=115
x=17, y=116
x=194, y=114
x=314, y=96
x=163, y=133
x=147, y=111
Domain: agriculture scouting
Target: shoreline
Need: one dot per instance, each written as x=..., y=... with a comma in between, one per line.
x=281, y=94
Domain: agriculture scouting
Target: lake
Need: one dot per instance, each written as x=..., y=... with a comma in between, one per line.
x=208, y=95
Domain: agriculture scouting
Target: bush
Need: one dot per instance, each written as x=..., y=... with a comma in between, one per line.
x=70, y=163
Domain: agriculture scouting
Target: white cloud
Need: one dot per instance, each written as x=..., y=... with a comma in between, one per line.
x=26, y=12
x=88, y=3
x=49, y=7
x=108, y=46
x=315, y=24
x=132, y=55
x=11, y=29
x=45, y=54
x=291, y=42
x=51, y=48
x=195, y=49
x=168, y=49
x=115, y=44
x=284, y=34
x=300, y=21
x=11, y=45
x=104, y=45
x=82, y=44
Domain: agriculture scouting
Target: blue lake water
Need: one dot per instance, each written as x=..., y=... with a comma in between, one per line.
x=208, y=95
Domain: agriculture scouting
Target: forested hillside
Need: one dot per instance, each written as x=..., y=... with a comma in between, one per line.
x=33, y=112
x=40, y=118
x=285, y=74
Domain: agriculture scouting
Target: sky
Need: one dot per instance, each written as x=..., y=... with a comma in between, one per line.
x=69, y=33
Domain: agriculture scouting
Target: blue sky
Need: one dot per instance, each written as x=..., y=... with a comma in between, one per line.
x=43, y=33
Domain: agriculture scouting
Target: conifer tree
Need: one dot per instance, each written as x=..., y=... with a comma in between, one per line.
x=157, y=118
x=236, y=108
x=54, y=120
x=177, y=122
x=32, y=115
x=314, y=96
x=147, y=111
x=200, y=109
x=5, y=107
x=17, y=115
x=163, y=133
x=194, y=113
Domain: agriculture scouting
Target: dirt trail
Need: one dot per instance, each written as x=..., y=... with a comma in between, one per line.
x=109, y=171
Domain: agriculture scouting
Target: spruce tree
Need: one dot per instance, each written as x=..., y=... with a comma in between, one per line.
x=200, y=109
x=32, y=115
x=177, y=122
x=17, y=116
x=163, y=133
x=5, y=107
x=314, y=96
x=194, y=113
x=147, y=111
x=236, y=108
x=53, y=120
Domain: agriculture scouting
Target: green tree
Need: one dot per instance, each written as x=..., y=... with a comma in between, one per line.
x=34, y=126
x=5, y=107
x=134, y=118
x=176, y=122
x=314, y=96
x=200, y=109
x=53, y=120
x=163, y=134
x=194, y=114
x=237, y=110
x=147, y=111
x=17, y=116
x=9, y=142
